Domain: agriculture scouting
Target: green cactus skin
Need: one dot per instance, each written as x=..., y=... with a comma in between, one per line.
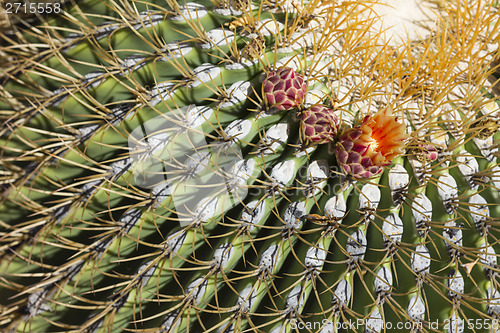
x=146, y=185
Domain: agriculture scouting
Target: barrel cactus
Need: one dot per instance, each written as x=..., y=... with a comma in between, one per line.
x=248, y=166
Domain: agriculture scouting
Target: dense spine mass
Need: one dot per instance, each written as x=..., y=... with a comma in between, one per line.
x=238, y=166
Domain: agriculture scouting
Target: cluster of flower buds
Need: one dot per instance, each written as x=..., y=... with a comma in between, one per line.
x=284, y=89
x=362, y=151
x=425, y=152
x=318, y=124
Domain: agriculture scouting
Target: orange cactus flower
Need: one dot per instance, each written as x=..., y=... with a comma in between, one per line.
x=363, y=151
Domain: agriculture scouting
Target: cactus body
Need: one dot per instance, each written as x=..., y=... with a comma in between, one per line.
x=247, y=166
